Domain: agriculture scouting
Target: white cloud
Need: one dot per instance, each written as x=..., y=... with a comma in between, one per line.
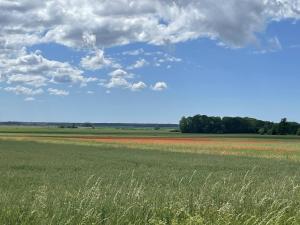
x=158, y=53
x=120, y=79
x=167, y=59
x=134, y=52
x=109, y=23
x=115, y=82
x=89, y=39
x=159, y=86
x=35, y=70
x=172, y=59
x=274, y=44
x=138, y=86
x=32, y=69
x=271, y=45
x=120, y=82
x=57, y=92
x=120, y=73
x=20, y=90
x=95, y=61
x=92, y=25
x=32, y=80
x=161, y=21
x=138, y=64
x=29, y=99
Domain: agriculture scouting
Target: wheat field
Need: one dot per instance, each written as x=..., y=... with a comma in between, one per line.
x=61, y=179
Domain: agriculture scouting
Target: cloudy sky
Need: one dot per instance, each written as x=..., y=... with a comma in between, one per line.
x=148, y=60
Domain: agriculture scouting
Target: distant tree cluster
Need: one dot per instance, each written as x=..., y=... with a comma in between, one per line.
x=236, y=125
x=73, y=126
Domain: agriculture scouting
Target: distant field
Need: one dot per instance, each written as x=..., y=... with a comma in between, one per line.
x=146, y=176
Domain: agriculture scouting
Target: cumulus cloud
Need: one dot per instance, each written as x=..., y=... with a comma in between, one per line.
x=32, y=80
x=138, y=86
x=120, y=73
x=118, y=79
x=89, y=39
x=109, y=23
x=95, y=61
x=36, y=70
x=159, y=86
x=92, y=25
x=57, y=92
x=156, y=58
x=138, y=64
x=161, y=21
x=20, y=90
x=117, y=82
x=121, y=79
x=32, y=69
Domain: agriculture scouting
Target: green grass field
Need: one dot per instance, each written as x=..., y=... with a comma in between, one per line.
x=49, y=176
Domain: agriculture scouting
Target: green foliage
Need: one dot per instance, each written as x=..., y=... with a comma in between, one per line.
x=262, y=131
x=237, y=125
x=283, y=127
x=157, y=128
x=89, y=125
x=175, y=130
x=201, y=124
x=218, y=125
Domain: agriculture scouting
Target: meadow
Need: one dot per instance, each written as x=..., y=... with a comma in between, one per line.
x=141, y=176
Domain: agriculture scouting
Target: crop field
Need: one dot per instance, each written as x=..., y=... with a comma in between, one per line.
x=146, y=177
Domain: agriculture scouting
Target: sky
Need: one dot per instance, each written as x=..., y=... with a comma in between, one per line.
x=148, y=61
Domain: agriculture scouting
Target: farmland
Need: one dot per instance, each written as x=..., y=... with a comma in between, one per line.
x=142, y=176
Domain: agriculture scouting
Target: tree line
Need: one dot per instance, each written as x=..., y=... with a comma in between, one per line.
x=236, y=125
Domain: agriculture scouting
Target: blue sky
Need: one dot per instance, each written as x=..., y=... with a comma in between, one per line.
x=239, y=67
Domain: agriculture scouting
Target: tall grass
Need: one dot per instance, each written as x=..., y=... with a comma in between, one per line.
x=190, y=200
x=43, y=183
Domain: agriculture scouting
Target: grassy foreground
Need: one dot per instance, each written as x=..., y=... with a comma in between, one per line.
x=59, y=183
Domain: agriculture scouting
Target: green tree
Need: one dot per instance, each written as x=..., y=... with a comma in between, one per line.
x=283, y=127
x=183, y=125
x=262, y=131
x=214, y=125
